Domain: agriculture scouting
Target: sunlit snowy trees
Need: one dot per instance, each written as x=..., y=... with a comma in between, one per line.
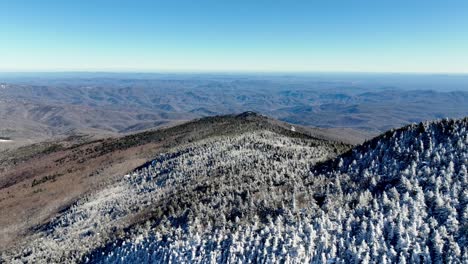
x=262, y=197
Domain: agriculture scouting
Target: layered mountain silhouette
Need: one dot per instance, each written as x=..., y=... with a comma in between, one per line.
x=38, y=109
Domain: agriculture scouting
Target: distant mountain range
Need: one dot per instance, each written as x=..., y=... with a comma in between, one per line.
x=239, y=188
x=33, y=110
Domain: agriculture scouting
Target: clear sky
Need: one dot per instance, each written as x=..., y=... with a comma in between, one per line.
x=240, y=35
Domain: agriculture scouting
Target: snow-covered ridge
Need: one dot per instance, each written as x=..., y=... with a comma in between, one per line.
x=401, y=198
x=92, y=221
x=259, y=198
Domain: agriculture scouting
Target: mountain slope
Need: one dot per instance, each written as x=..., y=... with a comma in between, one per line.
x=39, y=181
x=262, y=196
x=400, y=197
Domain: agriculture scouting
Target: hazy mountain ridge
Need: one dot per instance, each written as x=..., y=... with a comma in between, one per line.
x=399, y=197
x=54, y=107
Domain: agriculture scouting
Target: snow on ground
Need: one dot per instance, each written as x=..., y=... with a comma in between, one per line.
x=257, y=197
x=90, y=222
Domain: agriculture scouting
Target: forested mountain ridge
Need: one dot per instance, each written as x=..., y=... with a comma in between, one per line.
x=263, y=196
x=41, y=180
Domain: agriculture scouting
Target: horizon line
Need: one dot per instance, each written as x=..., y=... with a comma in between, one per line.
x=223, y=72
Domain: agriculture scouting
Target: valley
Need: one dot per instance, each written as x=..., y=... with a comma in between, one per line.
x=47, y=107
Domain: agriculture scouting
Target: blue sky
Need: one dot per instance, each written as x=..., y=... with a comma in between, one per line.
x=332, y=35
